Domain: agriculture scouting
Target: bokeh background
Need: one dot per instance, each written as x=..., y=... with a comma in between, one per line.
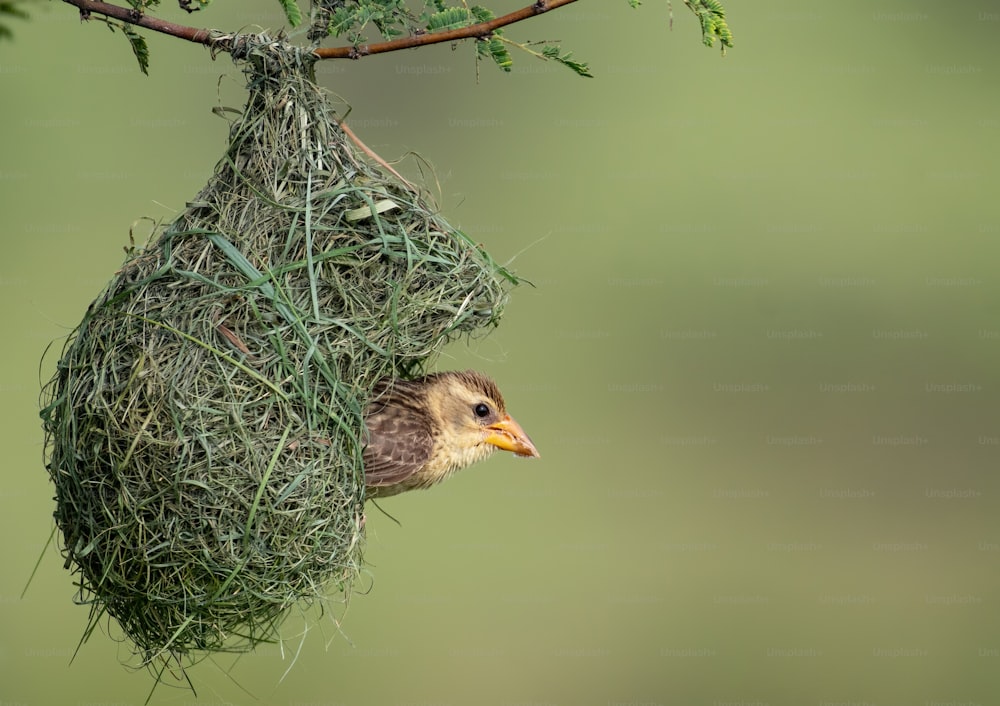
x=760, y=357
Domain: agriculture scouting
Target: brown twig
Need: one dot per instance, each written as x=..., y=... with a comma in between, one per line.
x=203, y=36
x=373, y=155
x=127, y=14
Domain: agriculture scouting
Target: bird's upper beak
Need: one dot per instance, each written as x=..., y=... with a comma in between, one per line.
x=509, y=436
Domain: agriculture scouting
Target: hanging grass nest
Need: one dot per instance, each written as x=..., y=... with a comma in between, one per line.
x=204, y=425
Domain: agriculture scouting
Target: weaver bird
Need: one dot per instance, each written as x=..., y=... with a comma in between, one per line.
x=421, y=431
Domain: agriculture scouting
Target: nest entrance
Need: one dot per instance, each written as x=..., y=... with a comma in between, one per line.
x=204, y=425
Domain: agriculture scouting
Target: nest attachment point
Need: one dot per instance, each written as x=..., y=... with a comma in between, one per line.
x=204, y=425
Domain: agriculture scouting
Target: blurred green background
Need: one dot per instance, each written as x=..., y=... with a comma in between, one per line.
x=759, y=359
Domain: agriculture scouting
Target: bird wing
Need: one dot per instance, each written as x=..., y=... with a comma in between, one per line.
x=399, y=444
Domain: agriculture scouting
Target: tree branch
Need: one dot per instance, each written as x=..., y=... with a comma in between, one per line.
x=204, y=36
x=482, y=29
x=127, y=14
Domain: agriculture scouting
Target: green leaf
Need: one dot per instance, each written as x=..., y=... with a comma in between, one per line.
x=483, y=14
x=491, y=47
x=9, y=9
x=139, y=48
x=350, y=17
x=712, y=16
x=449, y=19
x=292, y=12
x=580, y=68
x=495, y=49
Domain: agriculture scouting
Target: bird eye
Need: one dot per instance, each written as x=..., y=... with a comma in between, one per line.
x=481, y=410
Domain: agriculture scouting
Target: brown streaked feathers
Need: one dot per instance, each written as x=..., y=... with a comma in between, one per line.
x=400, y=434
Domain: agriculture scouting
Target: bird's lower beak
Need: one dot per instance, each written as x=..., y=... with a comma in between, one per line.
x=509, y=436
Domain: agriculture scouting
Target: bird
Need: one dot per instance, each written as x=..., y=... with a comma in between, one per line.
x=420, y=432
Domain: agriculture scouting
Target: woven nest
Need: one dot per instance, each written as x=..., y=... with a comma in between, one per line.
x=204, y=425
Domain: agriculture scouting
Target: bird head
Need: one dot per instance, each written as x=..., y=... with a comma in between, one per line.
x=473, y=419
x=421, y=431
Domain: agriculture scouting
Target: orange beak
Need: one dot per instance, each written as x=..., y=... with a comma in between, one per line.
x=509, y=436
